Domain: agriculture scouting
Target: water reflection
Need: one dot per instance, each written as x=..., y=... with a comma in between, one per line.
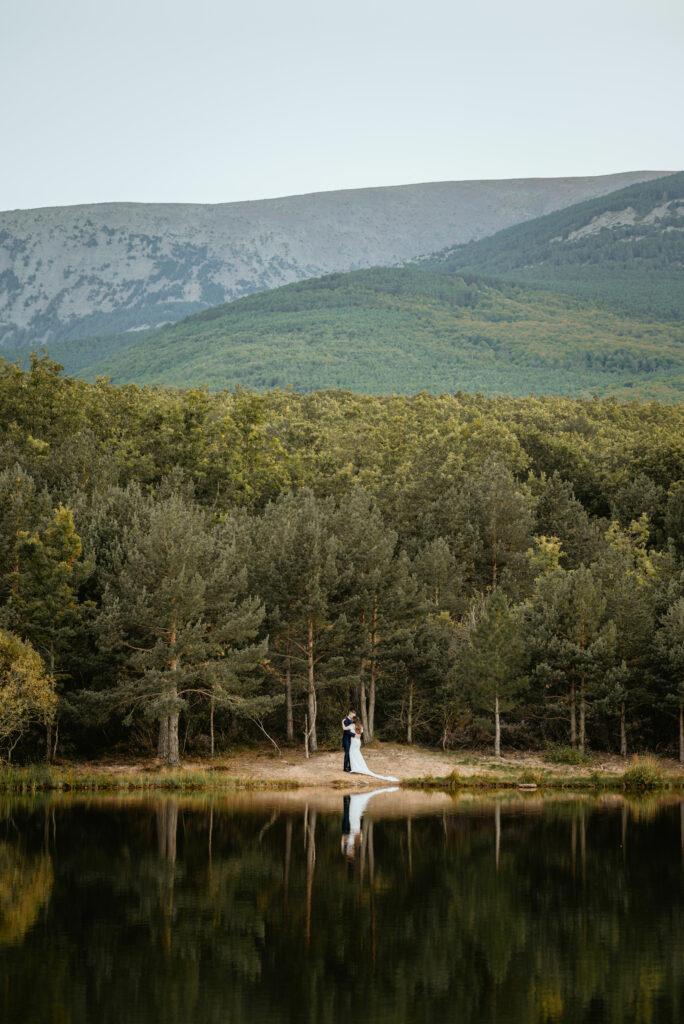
x=185, y=910
x=25, y=886
x=353, y=808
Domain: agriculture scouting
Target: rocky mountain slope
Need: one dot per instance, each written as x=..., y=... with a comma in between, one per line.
x=75, y=272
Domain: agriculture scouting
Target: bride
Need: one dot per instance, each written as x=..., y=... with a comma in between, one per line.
x=357, y=761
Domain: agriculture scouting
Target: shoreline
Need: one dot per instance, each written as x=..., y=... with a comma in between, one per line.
x=417, y=769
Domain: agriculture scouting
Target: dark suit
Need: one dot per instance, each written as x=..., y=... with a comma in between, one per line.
x=346, y=827
x=347, y=737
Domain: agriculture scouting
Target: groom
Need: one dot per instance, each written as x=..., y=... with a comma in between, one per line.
x=348, y=733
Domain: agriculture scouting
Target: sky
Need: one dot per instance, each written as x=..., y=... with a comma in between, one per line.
x=215, y=101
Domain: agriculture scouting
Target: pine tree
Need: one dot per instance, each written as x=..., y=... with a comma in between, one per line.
x=366, y=593
x=295, y=570
x=627, y=570
x=175, y=605
x=570, y=641
x=492, y=520
x=670, y=644
x=23, y=508
x=490, y=663
x=441, y=577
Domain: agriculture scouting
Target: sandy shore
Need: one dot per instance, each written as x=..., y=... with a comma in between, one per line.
x=324, y=769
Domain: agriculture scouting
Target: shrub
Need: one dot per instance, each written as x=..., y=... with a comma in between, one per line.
x=566, y=755
x=643, y=773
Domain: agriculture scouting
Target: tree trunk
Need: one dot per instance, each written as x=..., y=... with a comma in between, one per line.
x=681, y=732
x=289, y=716
x=409, y=715
x=310, y=867
x=211, y=726
x=497, y=727
x=623, y=731
x=167, y=833
x=409, y=844
x=174, y=754
x=373, y=674
x=168, y=749
x=371, y=703
x=311, y=687
x=288, y=856
x=497, y=833
x=48, y=736
x=582, y=720
x=163, y=742
x=363, y=702
x=172, y=746
x=573, y=716
x=167, y=829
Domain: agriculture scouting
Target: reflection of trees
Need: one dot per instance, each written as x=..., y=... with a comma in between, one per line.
x=25, y=886
x=181, y=915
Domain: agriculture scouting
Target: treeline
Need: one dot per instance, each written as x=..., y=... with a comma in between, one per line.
x=181, y=571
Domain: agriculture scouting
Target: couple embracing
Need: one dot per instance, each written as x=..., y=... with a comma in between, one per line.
x=351, y=744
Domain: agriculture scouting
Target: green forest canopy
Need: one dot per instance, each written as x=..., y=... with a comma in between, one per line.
x=234, y=561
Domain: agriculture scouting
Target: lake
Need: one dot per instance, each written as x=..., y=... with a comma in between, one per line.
x=389, y=908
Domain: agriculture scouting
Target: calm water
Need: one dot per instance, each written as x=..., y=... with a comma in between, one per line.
x=501, y=912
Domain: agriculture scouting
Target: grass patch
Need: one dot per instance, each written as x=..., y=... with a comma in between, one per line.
x=563, y=754
x=41, y=778
x=643, y=774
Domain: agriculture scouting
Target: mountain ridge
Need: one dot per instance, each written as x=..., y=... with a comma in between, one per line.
x=73, y=272
x=436, y=326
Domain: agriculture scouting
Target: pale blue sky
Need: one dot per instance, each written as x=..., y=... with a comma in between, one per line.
x=214, y=101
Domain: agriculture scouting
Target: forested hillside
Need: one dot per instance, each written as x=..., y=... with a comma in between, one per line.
x=401, y=330
x=73, y=272
x=182, y=571
x=624, y=250
x=589, y=300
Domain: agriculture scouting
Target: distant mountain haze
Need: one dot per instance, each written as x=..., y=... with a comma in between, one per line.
x=68, y=273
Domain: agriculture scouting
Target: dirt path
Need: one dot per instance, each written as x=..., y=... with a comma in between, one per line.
x=325, y=768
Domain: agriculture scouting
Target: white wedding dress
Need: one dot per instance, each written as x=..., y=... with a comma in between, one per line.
x=358, y=764
x=358, y=803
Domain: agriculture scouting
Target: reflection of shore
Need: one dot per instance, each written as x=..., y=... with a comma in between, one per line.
x=25, y=888
x=353, y=809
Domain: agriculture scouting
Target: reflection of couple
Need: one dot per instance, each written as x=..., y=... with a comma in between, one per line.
x=351, y=744
x=353, y=808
